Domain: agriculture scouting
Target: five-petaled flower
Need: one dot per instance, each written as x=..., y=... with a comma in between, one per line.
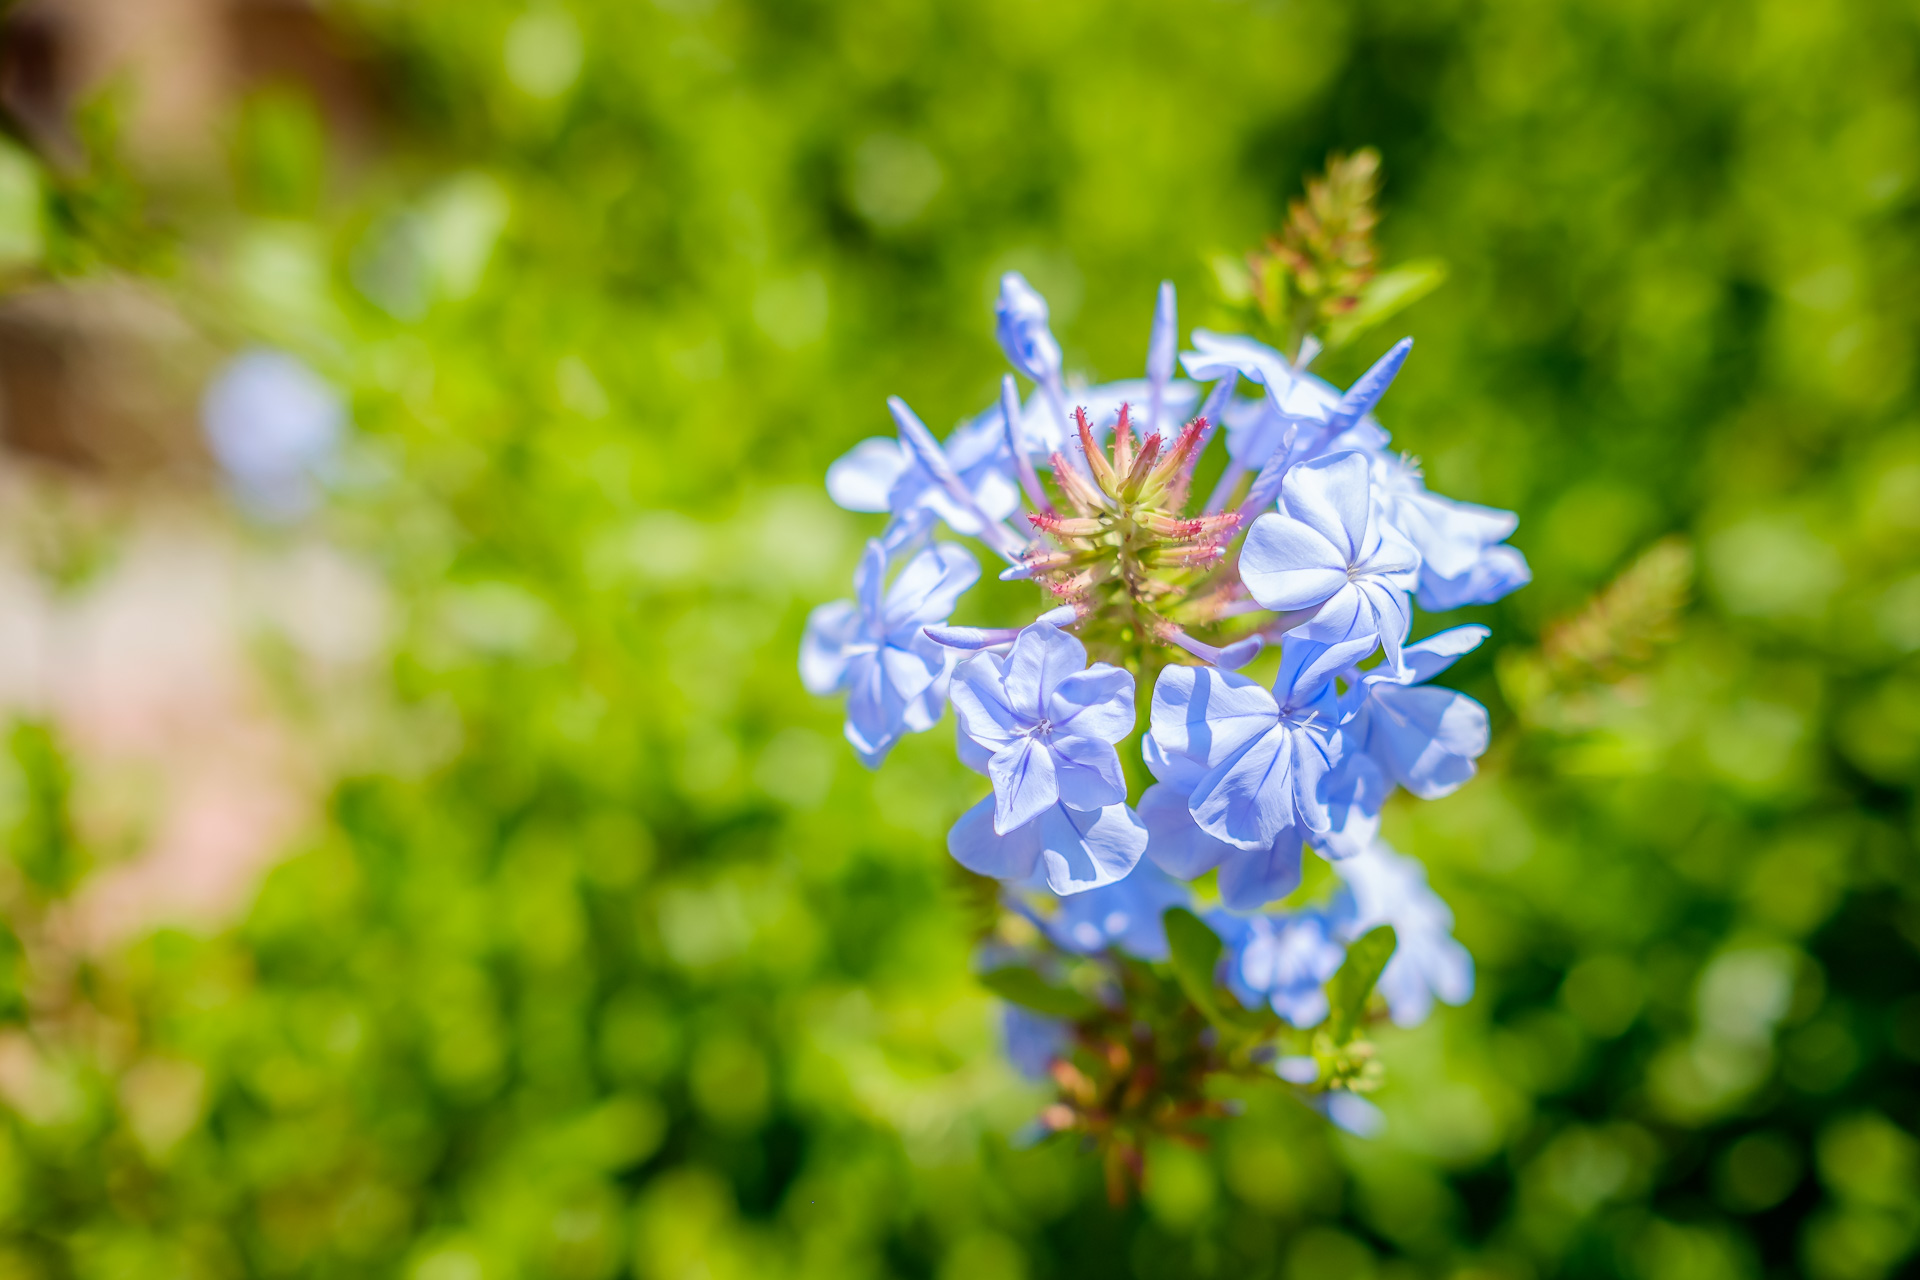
x=1326, y=549
x=1041, y=725
x=874, y=648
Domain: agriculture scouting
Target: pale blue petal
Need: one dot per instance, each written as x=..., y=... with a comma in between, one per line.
x=1425, y=659
x=980, y=701
x=1248, y=797
x=1334, y=497
x=1251, y=878
x=1287, y=565
x=972, y=754
x=1087, y=772
x=1180, y=772
x=1499, y=571
x=909, y=673
x=1217, y=354
x=1345, y=616
x=823, y=660
x=863, y=477
x=976, y=846
x=1427, y=738
x=1042, y=657
x=1020, y=323
x=1023, y=783
x=928, y=589
x=1355, y=790
x=1207, y=714
x=1174, y=842
x=1095, y=703
x=1084, y=850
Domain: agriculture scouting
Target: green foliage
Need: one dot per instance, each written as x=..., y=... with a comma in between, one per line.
x=1352, y=986
x=608, y=961
x=42, y=843
x=1195, y=955
x=1020, y=985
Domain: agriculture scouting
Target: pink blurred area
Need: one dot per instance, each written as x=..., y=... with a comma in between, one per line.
x=184, y=677
x=196, y=670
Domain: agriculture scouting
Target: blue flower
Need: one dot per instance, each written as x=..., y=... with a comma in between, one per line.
x=1498, y=571
x=1462, y=559
x=872, y=648
x=1032, y=1041
x=1049, y=722
x=1327, y=550
x=903, y=477
x=1127, y=914
x=1350, y=1111
x=1262, y=757
x=1249, y=878
x=1428, y=962
x=1020, y=323
x=274, y=425
x=1424, y=738
x=1281, y=960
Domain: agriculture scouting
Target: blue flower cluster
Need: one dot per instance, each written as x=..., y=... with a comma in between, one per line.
x=1317, y=539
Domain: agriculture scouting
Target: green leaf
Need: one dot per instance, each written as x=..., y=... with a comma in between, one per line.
x=22, y=238
x=1195, y=952
x=1020, y=985
x=1347, y=990
x=1385, y=296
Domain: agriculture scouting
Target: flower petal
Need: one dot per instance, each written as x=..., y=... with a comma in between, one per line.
x=823, y=660
x=927, y=590
x=1499, y=571
x=1287, y=565
x=1042, y=657
x=980, y=701
x=862, y=478
x=1174, y=842
x=1427, y=738
x=1248, y=797
x=1251, y=878
x=1087, y=772
x=1023, y=783
x=1208, y=714
x=1333, y=496
x=1086, y=849
x=975, y=845
x=1095, y=703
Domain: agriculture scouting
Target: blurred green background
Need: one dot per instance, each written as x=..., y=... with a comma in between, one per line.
x=606, y=958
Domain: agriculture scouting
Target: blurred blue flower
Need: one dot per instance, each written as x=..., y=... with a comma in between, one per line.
x=1020, y=322
x=1426, y=739
x=1428, y=963
x=1032, y=1041
x=882, y=475
x=1328, y=550
x=1281, y=960
x=1050, y=722
x=274, y=425
x=1350, y=1111
x=1127, y=914
x=873, y=647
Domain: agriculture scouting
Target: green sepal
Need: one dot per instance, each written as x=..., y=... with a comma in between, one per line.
x=1386, y=295
x=1348, y=990
x=1020, y=985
